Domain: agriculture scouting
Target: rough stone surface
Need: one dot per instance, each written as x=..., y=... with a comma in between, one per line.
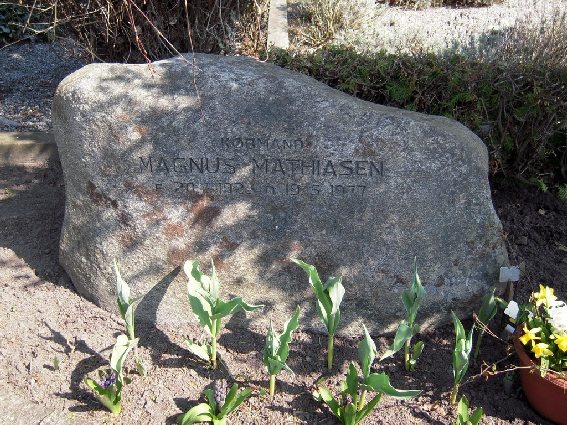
x=252, y=165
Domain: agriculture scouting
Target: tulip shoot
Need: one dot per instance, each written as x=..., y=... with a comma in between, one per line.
x=276, y=350
x=411, y=298
x=209, y=309
x=463, y=417
x=109, y=390
x=126, y=305
x=486, y=313
x=329, y=298
x=461, y=355
x=351, y=407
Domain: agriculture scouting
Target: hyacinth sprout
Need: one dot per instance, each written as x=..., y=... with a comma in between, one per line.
x=111, y=382
x=221, y=402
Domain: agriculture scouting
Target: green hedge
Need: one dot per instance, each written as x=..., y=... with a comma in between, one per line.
x=520, y=110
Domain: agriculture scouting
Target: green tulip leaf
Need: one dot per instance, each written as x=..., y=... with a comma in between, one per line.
x=476, y=417
x=365, y=411
x=366, y=352
x=223, y=309
x=380, y=383
x=351, y=387
x=200, y=413
x=202, y=351
x=119, y=352
x=403, y=334
x=329, y=400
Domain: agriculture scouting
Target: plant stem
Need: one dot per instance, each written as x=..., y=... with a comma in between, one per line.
x=131, y=336
x=407, y=355
x=477, y=345
x=139, y=364
x=272, y=385
x=115, y=408
x=214, y=352
x=362, y=401
x=215, y=333
x=330, y=348
x=454, y=393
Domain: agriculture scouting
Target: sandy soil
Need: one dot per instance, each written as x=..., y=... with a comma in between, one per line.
x=44, y=322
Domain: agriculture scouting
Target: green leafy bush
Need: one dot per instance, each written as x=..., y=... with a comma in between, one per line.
x=19, y=20
x=563, y=192
x=517, y=108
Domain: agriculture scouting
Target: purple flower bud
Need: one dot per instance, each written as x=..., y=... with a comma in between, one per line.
x=220, y=389
x=108, y=380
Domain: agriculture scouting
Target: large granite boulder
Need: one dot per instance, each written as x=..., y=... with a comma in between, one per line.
x=251, y=165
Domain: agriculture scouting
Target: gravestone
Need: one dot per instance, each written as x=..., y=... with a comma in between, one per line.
x=251, y=165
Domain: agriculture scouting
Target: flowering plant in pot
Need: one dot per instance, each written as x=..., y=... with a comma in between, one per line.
x=541, y=343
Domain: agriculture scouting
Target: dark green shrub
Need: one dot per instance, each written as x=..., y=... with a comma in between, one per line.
x=518, y=109
x=21, y=20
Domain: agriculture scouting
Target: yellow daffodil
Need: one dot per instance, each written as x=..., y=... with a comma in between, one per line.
x=544, y=296
x=540, y=349
x=529, y=335
x=561, y=341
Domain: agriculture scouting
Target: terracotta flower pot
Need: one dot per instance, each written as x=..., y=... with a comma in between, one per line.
x=548, y=394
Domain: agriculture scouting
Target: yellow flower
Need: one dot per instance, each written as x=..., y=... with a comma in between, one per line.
x=541, y=349
x=529, y=335
x=561, y=341
x=544, y=296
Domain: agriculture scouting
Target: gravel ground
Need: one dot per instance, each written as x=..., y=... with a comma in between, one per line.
x=440, y=28
x=29, y=75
